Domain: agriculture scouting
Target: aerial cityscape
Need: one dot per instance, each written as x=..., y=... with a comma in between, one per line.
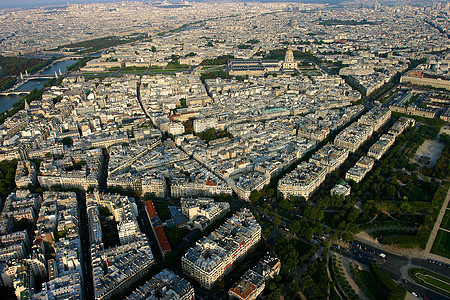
x=225, y=149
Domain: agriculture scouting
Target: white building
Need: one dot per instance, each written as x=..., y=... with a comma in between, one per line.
x=213, y=257
x=164, y=285
x=303, y=181
x=203, y=211
x=201, y=125
x=175, y=128
x=360, y=169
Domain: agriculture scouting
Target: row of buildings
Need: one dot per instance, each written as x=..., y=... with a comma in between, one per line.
x=365, y=163
x=157, y=228
x=213, y=256
x=308, y=176
x=116, y=268
x=49, y=254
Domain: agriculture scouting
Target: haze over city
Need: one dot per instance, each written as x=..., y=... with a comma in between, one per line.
x=224, y=150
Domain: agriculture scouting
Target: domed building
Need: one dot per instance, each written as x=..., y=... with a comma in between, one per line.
x=289, y=62
x=261, y=67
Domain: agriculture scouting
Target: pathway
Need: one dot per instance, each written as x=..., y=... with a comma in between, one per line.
x=349, y=278
x=435, y=231
x=366, y=238
x=331, y=278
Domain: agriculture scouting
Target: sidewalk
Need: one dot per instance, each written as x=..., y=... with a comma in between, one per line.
x=349, y=278
x=435, y=231
x=415, y=252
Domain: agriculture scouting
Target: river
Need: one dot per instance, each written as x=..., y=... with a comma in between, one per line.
x=6, y=102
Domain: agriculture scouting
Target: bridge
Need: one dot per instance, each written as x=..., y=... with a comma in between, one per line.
x=26, y=76
x=37, y=76
x=14, y=93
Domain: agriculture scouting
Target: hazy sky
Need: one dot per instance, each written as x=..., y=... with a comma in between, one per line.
x=31, y=3
x=36, y=3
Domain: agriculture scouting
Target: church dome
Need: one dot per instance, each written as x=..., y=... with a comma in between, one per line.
x=289, y=55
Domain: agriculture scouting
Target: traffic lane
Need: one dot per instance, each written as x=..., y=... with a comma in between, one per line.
x=391, y=267
x=431, y=266
x=392, y=263
x=378, y=251
x=421, y=291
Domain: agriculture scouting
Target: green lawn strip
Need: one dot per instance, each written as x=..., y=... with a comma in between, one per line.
x=441, y=245
x=213, y=67
x=432, y=280
x=98, y=74
x=132, y=71
x=163, y=71
x=315, y=73
x=446, y=220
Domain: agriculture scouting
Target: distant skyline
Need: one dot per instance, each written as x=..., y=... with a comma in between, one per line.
x=37, y=3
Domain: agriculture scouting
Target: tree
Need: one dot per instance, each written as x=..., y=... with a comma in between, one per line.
x=295, y=227
x=347, y=236
x=277, y=221
x=272, y=286
x=405, y=207
x=286, y=205
x=254, y=196
x=153, y=49
x=313, y=213
x=353, y=215
x=308, y=234
x=391, y=191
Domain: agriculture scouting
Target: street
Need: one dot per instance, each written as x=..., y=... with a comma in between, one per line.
x=397, y=266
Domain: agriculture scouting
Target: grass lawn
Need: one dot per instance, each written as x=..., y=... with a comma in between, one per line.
x=315, y=73
x=164, y=71
x=98, y=74
x=434, y=281
x=441, y=244
x=133, y=71
x=446, y=220
x=213, y=68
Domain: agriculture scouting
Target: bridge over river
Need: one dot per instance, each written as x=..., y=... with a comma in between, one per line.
x=14, y=93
